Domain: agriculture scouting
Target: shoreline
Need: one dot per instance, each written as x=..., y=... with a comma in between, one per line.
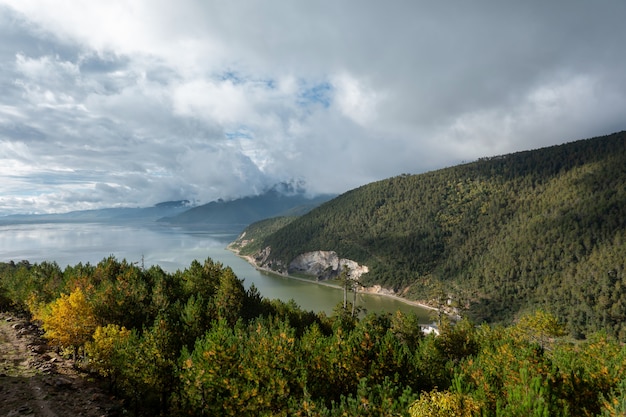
x=250, y=260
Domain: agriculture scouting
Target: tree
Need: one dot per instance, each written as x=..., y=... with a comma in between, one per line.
x=237, y=370
x=230, y=296
x=354, y=291
x=194, y=320
x=344, y=278
x=444, y=404
x=539, y=327
x=106, y=351
x=348, y=283
x=406, y=327
x=123, y=293
x=156, y=359
x=69, y=321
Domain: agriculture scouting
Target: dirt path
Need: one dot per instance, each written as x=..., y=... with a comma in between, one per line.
x=35, y=381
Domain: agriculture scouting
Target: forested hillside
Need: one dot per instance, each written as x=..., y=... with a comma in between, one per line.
x=543, y=228
x=251, y=240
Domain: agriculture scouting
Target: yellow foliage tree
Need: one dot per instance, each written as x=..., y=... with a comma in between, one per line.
x=538, y=327
x=444, y=404
x=69, y=321
x=105, y=351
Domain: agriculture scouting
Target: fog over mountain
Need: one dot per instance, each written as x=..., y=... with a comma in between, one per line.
x=127, y=104
x=282, y=199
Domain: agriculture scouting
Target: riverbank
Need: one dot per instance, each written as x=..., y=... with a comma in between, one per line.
x=398, y=298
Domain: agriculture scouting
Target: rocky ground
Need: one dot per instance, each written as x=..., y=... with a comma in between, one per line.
x=36, y=381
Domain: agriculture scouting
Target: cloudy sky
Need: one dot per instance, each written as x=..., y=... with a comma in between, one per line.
x=134, y=102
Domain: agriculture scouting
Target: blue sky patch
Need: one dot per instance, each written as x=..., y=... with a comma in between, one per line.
x=316, y=94
x=240, y=133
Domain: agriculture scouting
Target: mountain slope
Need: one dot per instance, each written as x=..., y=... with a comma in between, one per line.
x=248, y=209
x=543, y=228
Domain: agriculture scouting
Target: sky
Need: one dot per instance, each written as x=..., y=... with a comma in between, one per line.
x=135, y=102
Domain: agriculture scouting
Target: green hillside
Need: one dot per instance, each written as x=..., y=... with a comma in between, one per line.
x=251, y=240
x=543, y=228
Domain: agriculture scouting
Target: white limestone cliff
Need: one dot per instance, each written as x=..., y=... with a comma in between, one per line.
x=325, y=265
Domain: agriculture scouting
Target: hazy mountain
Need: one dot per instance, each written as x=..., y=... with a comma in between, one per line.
x=122, y=214
x=281, y=200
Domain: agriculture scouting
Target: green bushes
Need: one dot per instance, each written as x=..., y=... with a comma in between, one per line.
x=197, y=343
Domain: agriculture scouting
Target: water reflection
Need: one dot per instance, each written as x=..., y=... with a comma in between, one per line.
x=171, y=249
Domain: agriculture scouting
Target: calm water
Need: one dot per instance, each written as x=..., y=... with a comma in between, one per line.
x=172, y=249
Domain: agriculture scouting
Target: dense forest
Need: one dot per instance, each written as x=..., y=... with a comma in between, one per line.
x=195, y=342
x=499, y=236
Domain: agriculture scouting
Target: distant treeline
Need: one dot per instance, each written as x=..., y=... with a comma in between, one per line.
x=499, y=236
x=195, y=342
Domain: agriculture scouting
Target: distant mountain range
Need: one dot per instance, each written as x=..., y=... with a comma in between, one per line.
x=283, y=199
x=273, y=203
x=114, y=215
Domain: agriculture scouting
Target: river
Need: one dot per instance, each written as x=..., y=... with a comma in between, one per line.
x=171, y=249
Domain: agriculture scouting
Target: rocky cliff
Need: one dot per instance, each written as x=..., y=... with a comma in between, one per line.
x=321, y=264
x=325, y=265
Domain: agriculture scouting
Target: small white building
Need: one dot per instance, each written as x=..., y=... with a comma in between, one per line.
x=430, y=328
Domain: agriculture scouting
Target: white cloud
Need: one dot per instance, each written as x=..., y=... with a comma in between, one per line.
x=223, y=102
x=46, y=69
x=155, y=100
x=356, y=100
x=16, y=159
x=545, y=116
